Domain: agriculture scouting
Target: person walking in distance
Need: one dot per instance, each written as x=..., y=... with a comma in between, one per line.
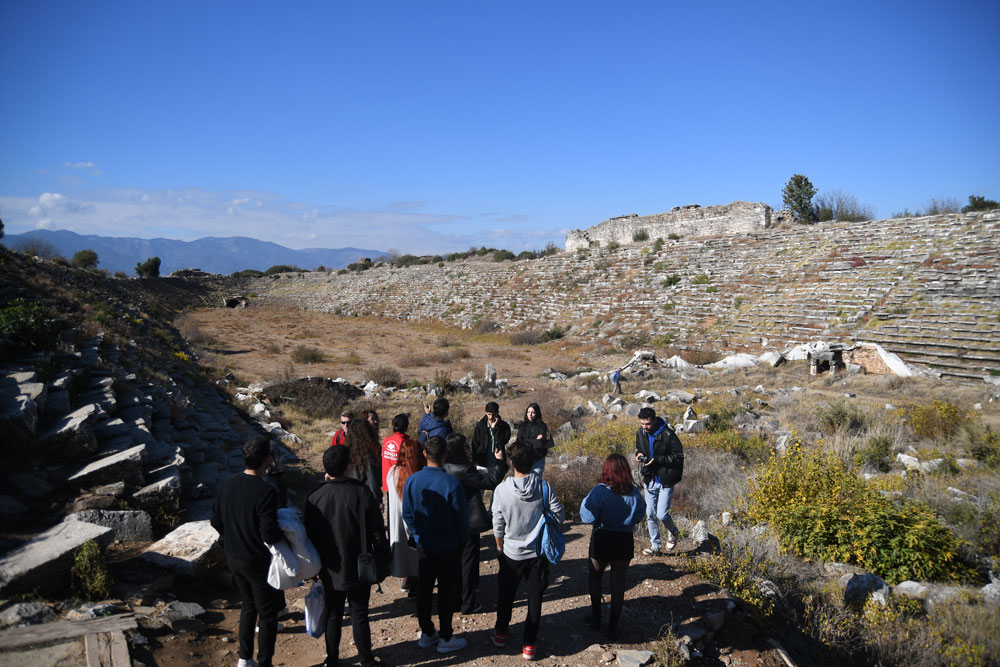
x=614, y=507
x=437, y=516
x=660, y=457
x=334, y=516
x=517, y=508
x=245, y=513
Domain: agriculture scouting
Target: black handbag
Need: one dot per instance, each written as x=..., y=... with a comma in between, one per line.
x=375, y=559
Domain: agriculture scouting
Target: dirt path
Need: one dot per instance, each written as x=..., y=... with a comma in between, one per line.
x=660, y=592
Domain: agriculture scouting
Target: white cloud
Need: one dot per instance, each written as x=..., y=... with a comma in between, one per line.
x=50, y=199
x=234, y=206
x=45, y=223
x=80, y=165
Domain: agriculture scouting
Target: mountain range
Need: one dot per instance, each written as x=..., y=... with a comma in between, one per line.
x=210, y=254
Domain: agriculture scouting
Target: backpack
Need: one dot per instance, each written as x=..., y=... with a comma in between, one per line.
x=551, y=542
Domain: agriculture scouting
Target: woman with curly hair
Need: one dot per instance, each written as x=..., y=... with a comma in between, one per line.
x=366, y=456
x=405, y=559
x=615, y=507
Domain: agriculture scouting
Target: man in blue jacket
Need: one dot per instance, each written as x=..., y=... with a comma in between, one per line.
x=435, y=421
x=660, y=456
x=436, y=514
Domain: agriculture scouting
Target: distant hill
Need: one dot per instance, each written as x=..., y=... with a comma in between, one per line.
x=210, y=254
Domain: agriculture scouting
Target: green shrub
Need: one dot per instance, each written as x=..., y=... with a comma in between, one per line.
x=640, y=235
x=148, y=269
x=85, y=259
x=985, y=446
x=875, y=454
x=283, y=268
x=89, y=578
x=442, y=379
x=554, y=333
x=247, y=273
x=939, y=421
x=526, y=337
x=600, y=438
x=753, y=449
x=738, y=571
x=503, y=255
x=674, y=237
x=842, y=416
x=701, y=279
x=27, y=326
x=711, y=289
x=303, y=354
x=821, y=510
x=671, y=280
x=613, y=245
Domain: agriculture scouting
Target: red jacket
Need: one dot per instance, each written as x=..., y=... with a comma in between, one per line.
x=390, y=453
x=339, y=438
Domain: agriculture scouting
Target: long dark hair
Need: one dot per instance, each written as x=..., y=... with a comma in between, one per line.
x=617, y=474
x=363, y=445
x=538, y=414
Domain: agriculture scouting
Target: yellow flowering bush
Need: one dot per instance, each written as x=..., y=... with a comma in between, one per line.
x=821, y=510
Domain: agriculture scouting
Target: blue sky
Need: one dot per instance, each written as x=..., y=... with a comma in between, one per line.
x=433, y=126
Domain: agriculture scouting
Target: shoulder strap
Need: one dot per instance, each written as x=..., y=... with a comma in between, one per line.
x=364, y=527
x=545, y=496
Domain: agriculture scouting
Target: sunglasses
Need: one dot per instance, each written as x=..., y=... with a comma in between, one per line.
x=343, y=423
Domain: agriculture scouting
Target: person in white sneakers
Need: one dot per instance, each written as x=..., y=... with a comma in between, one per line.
x=660, y=456
x=517, y=507
x=437, y=516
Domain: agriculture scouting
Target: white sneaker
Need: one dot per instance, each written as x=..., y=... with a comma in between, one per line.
x=651, y=551
x=246, y=663
x=453, y=644
x=671, y=542
x=427, y=641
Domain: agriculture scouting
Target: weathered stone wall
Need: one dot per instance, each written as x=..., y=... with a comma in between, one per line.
x=736, y=218
x=925, y=288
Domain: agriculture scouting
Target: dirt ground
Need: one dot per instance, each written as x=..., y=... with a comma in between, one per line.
x=660, y=592
x=256, y=343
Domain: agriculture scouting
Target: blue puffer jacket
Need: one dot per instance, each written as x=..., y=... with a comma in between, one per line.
x=431, y=426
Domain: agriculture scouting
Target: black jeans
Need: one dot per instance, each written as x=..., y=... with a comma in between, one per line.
x=357, y=598
x=470, y=573
x=445, y=569
x=535, y=573
x=259, y=606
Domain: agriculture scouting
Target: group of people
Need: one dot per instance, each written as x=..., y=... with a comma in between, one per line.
x=436, y=513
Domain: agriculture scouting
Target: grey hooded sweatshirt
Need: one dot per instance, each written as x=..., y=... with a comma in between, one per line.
x=517, y=508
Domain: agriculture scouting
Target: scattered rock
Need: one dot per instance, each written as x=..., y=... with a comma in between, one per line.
x=859, y=587
x=186, y=549
x=126, y=526
x=26, y=613
x=43, y=562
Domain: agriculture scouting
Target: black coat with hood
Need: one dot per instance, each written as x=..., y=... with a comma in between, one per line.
x=481, y=440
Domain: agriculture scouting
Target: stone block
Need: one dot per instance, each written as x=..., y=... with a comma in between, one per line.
x=126, y=526
x=18, y=418
x=186, y=549
x=26, y=613
x=125, y=466
x=858, y=588
x=74, y=433
x=162, y=491
x=44, y=562
x=57, y=402
x=29, y=486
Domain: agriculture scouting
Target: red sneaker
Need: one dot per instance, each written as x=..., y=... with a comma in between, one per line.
x=528, y=652
x=499, y=639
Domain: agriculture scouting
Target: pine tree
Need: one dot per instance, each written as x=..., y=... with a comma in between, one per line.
x=797, y=196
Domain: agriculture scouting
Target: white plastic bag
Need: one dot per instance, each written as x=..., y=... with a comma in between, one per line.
x=301, y=560
x=284, y=566
x=315, y=610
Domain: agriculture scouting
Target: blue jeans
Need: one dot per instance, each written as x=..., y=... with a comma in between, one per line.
x=538, y=467
x=658, y=499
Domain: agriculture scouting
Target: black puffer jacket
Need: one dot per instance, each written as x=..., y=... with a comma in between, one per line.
x=474, y=482
x=528, y=433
